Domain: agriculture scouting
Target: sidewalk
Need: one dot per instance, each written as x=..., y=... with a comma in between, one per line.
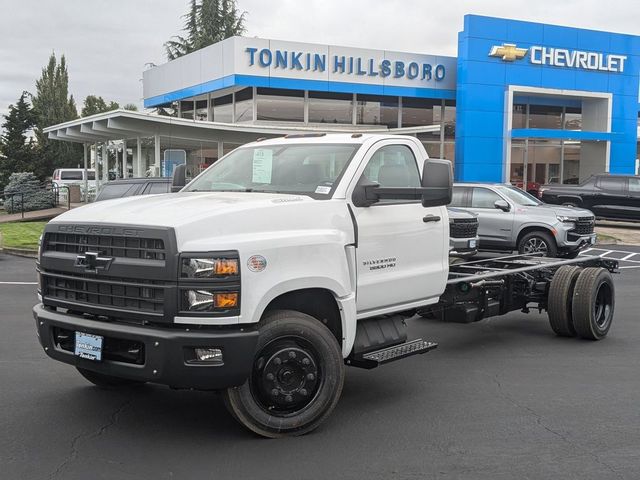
x=624, y=233
x=46, y=214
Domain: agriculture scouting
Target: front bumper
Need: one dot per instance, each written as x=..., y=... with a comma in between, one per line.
x=463, y=247
x=570, y=241
x=165, y=357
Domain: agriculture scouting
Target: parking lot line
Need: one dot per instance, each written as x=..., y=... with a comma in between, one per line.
x=18, y=283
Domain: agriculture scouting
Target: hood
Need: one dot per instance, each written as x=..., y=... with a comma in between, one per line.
x=175, y=209
x=550, y=209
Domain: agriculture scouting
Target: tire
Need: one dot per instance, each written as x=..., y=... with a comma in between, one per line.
x=560, y=300
x=593, y=303
x=107, y=381
x=296, y=380
x=538, y=241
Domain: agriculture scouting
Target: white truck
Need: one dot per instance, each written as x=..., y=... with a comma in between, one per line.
x=280, y=264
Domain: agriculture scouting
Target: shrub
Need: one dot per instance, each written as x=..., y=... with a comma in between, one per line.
x=34, y=196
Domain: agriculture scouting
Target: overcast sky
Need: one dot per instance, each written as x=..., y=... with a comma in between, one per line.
x=108, y=42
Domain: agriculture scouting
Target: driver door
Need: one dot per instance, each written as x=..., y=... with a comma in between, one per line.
x=402, y=252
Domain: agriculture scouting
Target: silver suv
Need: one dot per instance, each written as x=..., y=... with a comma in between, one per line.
x=511, y=219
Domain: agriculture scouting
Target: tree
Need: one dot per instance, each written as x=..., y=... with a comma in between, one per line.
x=23, y=192
x=206, y=23
x=18, y=151
x=52, y=105
x=132, y=107
x=94, y=104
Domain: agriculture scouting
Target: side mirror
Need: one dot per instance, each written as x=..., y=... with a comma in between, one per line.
x=437, y=182
x=179, y=179
x=502, y=205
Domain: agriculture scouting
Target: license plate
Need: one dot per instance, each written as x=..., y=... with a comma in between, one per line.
x=89, y=346
x=472, y=244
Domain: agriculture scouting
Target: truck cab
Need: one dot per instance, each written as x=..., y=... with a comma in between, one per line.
x=261, y=278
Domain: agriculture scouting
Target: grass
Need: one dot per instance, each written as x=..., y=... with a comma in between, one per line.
x=606, y=239
x=21, y=234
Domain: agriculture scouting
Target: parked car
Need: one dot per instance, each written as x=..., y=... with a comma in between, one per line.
x=615, y=197
x=463, y=233
x=510, y=219
x=73, y=176
x=128, y=187
x=532, y=187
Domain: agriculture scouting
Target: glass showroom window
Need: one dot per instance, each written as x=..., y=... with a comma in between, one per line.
x=328, y=107
x=417, y=112
x=280, y=105
x=377, y=110
x=223, y=109
x=571, y=162
x=186, y=109
x=545, y=116
x=572, y=118
x=244, y=105
x=201, y=110
x=519, y=119
x=449, y=120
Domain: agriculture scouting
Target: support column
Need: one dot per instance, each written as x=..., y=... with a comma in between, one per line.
x=220, y=149
x=156, y=154
x=138, y=170
x=95, y=165
x=105, y=164
x=86, y=174
x=125, y=169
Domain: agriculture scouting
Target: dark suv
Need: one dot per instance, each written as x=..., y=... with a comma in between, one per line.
x=128, y=187
x=614, y=197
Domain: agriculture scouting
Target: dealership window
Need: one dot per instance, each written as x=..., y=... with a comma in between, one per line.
x=280, y=105
x=571, y=162
x=377, y=110
x=421, y=111
x=449, y=120
x=244, y=105
x=186, y=109
x=545, y=116
x=223, y=109
x=449, y=151
x=328, y=107
x=572, y=118
x=519, y=119
x=201, y=110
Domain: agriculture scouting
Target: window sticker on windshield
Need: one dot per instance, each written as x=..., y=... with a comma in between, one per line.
x=323, y=189
x=262, y=165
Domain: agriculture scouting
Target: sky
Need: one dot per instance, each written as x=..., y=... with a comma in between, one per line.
x=108, y=43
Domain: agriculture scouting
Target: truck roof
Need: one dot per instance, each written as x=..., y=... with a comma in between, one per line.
x=347, y=138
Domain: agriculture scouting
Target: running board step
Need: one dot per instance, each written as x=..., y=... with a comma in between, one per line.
x=378, y=357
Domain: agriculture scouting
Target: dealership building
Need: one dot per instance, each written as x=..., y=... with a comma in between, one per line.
x=522, y=102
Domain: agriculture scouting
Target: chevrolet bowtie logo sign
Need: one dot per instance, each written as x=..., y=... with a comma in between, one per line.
x=508, y=52
x=91, y=262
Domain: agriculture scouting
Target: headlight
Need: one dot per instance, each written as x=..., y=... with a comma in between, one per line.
x=563, y=218
x=39, y=246
x=209, y=267
x=206, y=300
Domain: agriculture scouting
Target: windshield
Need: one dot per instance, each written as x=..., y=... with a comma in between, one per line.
x=309, y=169
x=520, y=197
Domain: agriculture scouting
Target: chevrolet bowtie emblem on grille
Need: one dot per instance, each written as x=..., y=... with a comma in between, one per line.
x=508, y=52
x=92, y=263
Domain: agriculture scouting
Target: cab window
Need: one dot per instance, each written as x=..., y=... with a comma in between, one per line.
x=484, y=198
x=393, y=166
x=611, y=184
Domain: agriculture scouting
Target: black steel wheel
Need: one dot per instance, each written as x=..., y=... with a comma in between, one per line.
x=538, y=242
x=107, y=381
x=560, y=300
x=593, y=303
x=296, y=380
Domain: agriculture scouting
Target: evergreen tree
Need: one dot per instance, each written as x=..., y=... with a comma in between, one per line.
x=206, y=23
x=94, y=104
x=132, y=107
x=52, y=105
x=18, y=153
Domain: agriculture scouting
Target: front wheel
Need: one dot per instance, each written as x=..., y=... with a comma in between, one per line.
x=538, y=242
x=296, y=379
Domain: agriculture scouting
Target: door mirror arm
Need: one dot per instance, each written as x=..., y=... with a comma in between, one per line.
x=502, y=205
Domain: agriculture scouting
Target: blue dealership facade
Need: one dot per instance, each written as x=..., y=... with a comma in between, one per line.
x=522, y=102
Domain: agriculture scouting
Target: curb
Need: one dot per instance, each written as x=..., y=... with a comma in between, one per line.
x=19, y=252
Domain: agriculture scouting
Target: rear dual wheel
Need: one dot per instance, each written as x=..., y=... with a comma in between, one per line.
x=296, y=380
x=581, y=302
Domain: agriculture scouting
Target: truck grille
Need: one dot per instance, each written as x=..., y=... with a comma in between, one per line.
x=584, y=226
x=130, y=294
x=463, y=228
x=108, y=245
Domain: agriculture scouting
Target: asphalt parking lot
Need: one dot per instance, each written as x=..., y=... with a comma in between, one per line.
x=499, y=399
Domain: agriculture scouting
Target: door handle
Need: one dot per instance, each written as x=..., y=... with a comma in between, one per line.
x=431, y=218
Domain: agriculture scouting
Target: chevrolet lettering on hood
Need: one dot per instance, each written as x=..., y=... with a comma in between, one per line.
x=100, y=230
